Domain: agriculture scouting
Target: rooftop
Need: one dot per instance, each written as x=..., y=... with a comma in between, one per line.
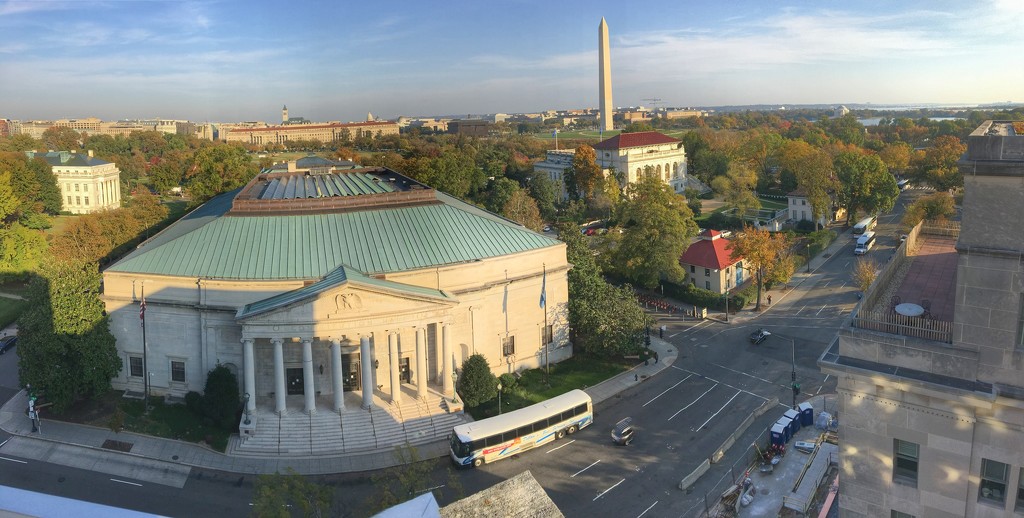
x=640, y=139
x=710, y=251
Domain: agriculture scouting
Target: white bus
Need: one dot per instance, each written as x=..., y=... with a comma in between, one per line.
x=508, y=434
x=864, y=243
x=865, y=225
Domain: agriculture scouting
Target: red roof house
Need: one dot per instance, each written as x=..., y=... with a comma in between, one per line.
x=709, y=265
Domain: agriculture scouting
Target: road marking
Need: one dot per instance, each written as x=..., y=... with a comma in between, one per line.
x=668, y=389
x=694, y=401
x=820, y=310
x=430, y=488
x=14, y=460
x=843, y=285
x=125, y=482
x=801, y=309
x=5, y=442
x=648, y=509
x=745, y=374
x=586, y=468
x=607, y=490
x=696, y=326
x=826, y=379
x=826, y=284
x=562, y=446
x=719, y=411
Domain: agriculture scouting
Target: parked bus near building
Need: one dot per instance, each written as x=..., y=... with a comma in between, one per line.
x=502, y=436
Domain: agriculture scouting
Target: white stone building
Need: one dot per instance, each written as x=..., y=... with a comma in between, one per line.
x=86, y=184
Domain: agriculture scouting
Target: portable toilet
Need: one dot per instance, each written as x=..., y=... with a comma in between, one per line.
x=806, y=414
x=778, y=434
x=787, y=428
x=794, y=418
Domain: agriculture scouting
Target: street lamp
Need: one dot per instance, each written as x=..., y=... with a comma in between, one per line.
x=246, y=397
x=808, y=258
x=499, y=398
x=792, y=374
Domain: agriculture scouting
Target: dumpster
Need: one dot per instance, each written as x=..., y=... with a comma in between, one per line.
x=794, y=417
x=778, y=434
x=806, y=414
x=788, y=430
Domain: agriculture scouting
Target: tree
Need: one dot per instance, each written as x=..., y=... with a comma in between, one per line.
x=61, y=139
x=605, y=320
x=279, y=496
x=477, y=383
x=658, y=226
x=938, y=166
x=736, y=188
x=865, y=184
x=221, y=398
x=812, y=168
x=760, y=250
x=693, y=201
x=864, y=273
x=896, y=157
x=501, y=190
x=523, y=210
x=542, y=189
x=402, y=482
x=760, y=150
x=66, y=351
x=19, y=142
x=938, y=206
x=218, y=169
x=585, y=175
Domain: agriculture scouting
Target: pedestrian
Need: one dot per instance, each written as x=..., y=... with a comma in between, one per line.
x=636, y=377
x=769, y=300
x=655, y=356
x=661, y=332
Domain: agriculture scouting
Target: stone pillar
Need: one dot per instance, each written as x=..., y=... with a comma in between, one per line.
x=447, y=367
x=337, y=376
x=393, y=360
x=366, y=361
x=421, y=362
x=249, y=364
x=308, y=387
x=279, y=388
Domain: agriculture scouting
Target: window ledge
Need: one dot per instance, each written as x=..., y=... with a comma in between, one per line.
x=904, y=481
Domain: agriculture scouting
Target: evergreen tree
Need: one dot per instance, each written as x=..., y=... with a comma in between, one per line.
x=477, y=383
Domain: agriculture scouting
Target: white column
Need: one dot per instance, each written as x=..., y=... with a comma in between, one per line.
x=393, y=360
x=249, y=364
x=279, y=389
x=337, y=376
x=446, y=362
x=308, y=388
x=421, y=362
x=366, y=361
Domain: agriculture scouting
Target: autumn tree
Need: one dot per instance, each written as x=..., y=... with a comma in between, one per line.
x=657, y=227
x=938, y=166
x=61, y=139
x=896, y=157
x=584, y=177
x=66, y=350
x=523, y=210
x=934, y=207
x=760, y=250
x=864, y=273
x=282, y=495
x=865, y=184
x=737, y=188
x=218, y=169
x=812, y=168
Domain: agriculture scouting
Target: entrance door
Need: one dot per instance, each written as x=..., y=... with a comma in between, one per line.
x=350, y=369
x=404, y=374
x=293, y=378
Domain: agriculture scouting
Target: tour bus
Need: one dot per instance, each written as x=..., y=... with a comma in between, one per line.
x=865, y=225
x=864, y=243
x=504, y=435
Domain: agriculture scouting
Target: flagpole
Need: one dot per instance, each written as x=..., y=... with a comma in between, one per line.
x=145, y=365
x=547, y=364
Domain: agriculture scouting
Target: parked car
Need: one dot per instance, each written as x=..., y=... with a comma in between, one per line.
x=7, y=342
x=759, y=336
x=623, y=433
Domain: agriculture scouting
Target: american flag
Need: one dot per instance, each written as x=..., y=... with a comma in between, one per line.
x=142, y=310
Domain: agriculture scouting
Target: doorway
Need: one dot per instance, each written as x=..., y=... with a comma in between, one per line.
x=350, y=372
x=294, y=379
x=404, y=373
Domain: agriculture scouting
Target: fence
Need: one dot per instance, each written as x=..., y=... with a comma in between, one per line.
x=896, y=324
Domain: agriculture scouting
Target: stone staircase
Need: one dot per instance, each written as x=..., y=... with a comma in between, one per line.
x=384, y=426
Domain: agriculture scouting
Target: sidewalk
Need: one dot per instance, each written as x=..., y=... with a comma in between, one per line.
x=14, y=419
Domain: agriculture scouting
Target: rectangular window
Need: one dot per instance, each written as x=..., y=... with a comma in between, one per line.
x=85, y=187
x=1019, y=506
x=508, y=345
x=993, y=481
x=69, y=200
x=78, y=200
x=76, y=187
x=693, y=269
x=135, y=366
x=707, y=285
x=178, y=371
x=707, y=272
x=86, y=200
x=548, y=332
x=905, y=458
x=897, y=514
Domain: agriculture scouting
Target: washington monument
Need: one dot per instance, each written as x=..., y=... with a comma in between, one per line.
x=605, y=71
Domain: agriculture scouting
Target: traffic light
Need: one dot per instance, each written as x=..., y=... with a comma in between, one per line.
x=796, y=389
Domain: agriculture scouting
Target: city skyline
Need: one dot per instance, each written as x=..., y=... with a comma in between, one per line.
x=229, y=61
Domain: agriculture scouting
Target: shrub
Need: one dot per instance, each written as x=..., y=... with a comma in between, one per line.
x=194, y=402
x=508, y=381
x=220, y=398
x=477, y=383
x=805, y=225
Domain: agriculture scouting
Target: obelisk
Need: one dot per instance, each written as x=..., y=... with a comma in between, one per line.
x=605, y=81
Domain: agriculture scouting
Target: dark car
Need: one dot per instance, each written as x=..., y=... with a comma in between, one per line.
x=759, y=336
x=623, y=433
x=7, y=342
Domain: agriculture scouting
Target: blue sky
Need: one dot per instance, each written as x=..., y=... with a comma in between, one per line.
x=338, y=60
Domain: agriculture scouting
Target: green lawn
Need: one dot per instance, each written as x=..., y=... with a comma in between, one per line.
x=534, y=386
x=10, y=309
x=172, y=422
x=767, y=203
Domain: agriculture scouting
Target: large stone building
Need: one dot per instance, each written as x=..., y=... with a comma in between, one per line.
x=329, y=132
x=86, y=184
x=932, y=406
x=630, y=155
x=327, y=284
